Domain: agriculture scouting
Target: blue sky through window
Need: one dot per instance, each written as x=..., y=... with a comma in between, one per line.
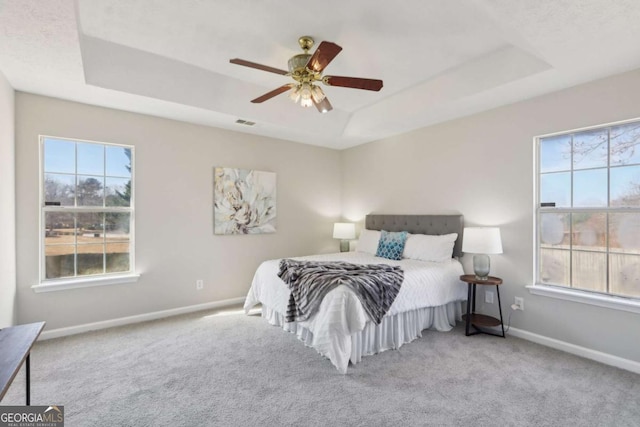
x=590, y=150
x=92, y=159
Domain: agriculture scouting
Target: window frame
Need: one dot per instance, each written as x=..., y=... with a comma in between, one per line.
x=44, y=284
x=601, y=299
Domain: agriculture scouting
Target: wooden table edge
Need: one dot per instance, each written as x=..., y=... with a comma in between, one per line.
x=24, y=356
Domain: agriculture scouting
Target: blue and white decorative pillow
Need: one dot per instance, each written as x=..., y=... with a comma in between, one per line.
x=391, y=244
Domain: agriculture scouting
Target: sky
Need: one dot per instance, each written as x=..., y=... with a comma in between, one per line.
x=589, y=169
x=92, y=159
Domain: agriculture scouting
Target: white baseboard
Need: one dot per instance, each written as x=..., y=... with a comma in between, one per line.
x=587, y=353
x=72, y=330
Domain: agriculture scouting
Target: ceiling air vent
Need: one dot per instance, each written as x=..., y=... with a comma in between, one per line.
x=245, y=122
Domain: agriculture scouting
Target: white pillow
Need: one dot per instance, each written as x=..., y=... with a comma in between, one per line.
x=426, y=247
x=368, y=241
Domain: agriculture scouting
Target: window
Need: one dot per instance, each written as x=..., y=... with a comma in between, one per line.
x=87, y=207
x=588, y=210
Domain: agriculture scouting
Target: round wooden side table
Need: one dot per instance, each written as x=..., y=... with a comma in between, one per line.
x=481, y=321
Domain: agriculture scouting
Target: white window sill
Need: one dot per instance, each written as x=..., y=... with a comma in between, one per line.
x=608, y=301
x=85, y=282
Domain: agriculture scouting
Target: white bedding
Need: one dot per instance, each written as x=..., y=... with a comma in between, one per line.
x=341, y=315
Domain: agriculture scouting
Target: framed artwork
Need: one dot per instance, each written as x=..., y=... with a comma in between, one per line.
x=244, y=201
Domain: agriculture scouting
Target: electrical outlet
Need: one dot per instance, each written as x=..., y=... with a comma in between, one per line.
x=519, y=303
x=488, y=297
x=199, y=284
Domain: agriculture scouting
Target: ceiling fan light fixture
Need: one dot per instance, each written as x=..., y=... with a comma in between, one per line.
x=317, y=93
x=305, y=91
x=294, y=95
x=306, y=70
x=305, y=95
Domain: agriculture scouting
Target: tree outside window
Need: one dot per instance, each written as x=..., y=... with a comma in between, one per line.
x=588, y=212
x=87, y=208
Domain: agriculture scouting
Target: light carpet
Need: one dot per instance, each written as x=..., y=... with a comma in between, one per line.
x=223, y=368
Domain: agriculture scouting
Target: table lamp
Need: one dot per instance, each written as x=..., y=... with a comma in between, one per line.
x=345, y=231
x=481, y=241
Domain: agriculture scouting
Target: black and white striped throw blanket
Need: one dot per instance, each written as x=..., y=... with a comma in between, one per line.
x=376, y=285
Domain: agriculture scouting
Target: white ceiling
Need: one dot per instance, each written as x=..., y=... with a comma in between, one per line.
x=439, y=59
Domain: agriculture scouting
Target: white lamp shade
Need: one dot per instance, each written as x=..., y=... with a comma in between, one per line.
x=344, y=230
x=482, y=240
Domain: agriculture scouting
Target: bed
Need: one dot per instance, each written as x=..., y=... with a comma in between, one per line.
x=430, y=297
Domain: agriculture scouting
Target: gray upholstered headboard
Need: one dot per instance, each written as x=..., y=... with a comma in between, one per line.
x=419, y=224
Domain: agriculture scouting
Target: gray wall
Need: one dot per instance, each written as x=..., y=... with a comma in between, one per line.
x=482, y=166
x=7, y=206
x=175, y=244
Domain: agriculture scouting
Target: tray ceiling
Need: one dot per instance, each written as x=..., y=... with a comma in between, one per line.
x=439, y=59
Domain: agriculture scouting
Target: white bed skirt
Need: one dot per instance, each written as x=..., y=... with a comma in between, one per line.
x=391, y=333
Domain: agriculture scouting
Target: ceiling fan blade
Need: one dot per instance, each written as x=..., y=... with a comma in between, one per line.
x=323, y=55
x=353, y=82
x=271, y=94
x=323, y=106
x=250, y=64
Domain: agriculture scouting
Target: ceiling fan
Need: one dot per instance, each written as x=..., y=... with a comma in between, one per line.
x=306, y=70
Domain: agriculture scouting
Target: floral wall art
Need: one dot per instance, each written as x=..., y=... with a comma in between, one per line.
x=244, y=201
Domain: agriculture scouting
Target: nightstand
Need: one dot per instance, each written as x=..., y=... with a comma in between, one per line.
x=478, y=321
